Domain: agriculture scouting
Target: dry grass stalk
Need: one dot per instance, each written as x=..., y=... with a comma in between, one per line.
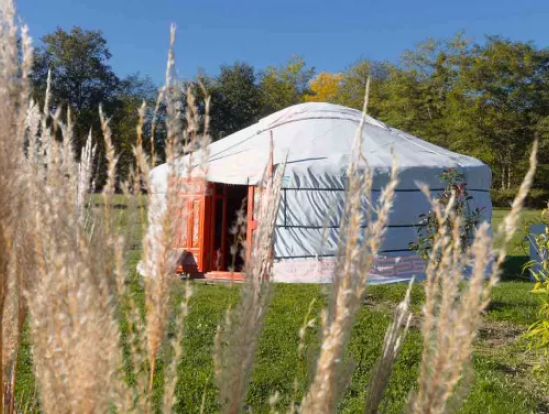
x=308, y=323
x=66, y=261
x=177, y=352
x=15, y=261
x=236, y=339
x=158, y=257
x=50, y=245
x=357, y=251
x=453, y=309
x=394, y=337
x=73, y=328
x=273, y=401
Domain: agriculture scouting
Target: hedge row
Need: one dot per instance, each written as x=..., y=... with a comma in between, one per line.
x=537, y=198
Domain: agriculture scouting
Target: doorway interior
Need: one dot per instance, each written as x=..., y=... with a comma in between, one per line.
x=226, y=248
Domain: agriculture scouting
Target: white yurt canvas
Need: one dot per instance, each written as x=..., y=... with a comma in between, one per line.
x=316, y=141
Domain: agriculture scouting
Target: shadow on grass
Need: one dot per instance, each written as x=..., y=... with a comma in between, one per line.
x=513, y=269
x=501, y=306
x=116, y=206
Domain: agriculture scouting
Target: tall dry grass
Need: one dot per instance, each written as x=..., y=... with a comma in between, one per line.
x=15, y=231
x=236, y=339
x=63, y=262
x=358, y=249
x=453, y=310
x=63, y=268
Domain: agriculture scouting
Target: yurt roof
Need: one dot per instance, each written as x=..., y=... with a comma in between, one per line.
x=316, y=140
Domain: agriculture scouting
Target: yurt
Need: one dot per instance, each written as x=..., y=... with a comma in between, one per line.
x=315, y=140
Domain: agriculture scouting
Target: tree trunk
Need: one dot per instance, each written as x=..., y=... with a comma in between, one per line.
x=503, y=176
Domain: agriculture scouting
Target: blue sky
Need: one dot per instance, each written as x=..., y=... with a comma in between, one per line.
x=330, y=35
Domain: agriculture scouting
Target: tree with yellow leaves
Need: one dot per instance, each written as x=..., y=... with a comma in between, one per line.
x=325, y=88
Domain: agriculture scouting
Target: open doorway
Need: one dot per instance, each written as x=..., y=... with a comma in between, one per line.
x=228, y=201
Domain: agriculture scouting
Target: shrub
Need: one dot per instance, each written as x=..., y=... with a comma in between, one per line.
x=455, y=195
x=537, y=197
x=538, y=332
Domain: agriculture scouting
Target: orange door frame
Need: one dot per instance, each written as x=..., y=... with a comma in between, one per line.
x=218, y=257
x=197, y=209
x=251, y=222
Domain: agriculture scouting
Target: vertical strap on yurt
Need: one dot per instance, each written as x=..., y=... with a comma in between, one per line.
x=251, y=219
x=271, y=175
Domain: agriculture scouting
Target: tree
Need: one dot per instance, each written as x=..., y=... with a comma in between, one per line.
x=284, y=86
x=81, y=78
x=236, y=99
x=505, y=85
x=133, y=91
x=353, y=85
x=325, y=87
x=420, y=95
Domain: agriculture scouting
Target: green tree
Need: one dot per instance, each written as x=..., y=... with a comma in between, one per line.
x=353, y=85
x=236, y=99
x=81, y=76
x=542, y=171
x=420, y=94
x=133, y=91
x=505, y=87
x=81, y=79
x=284, y=86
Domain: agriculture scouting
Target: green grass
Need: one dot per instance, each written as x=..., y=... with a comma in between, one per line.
x=518, y=246
x=502, y=382
x=277, y=364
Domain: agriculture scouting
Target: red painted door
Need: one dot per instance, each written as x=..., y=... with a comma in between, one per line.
x=192, y=229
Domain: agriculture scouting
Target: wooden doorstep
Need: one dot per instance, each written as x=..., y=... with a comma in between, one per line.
x=225, y=276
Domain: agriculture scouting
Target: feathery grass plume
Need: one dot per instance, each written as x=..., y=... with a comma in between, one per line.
x=453, y=309
x=308, y=323
x=394, y=337
x=157, y=244
x=132, y=391
x=357, y=250
x=154, y=120
x=15, y=260
x=168, y=215
x=65, y=260
x=508, y=226
x=177, y=352
x=52, y=258
x=85, y=172
x=74, y=332
x=273, y=401
x=139, y=177
x=451, y=318
x=236, y=339
x=14, y=311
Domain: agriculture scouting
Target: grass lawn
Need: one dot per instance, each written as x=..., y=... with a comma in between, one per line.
x=502, y=382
